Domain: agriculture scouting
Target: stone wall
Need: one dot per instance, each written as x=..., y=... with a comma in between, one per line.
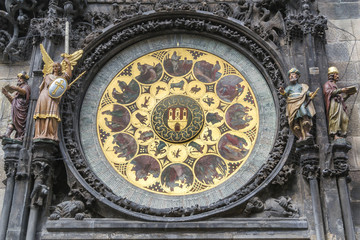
x=8, y=74
x=343, y=51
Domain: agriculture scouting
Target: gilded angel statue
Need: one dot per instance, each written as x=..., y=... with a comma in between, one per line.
x=53, y=86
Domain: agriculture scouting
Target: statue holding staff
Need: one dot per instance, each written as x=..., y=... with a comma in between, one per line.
x=300, y=108
x=336, y=109
x=19, y=106
x=53, y=86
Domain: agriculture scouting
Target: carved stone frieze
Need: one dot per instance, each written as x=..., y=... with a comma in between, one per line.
x=298, y=25
x=272, y=207
x=30, y=20
x=177, y=22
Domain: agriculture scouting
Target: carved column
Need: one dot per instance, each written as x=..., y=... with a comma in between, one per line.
x=338, y=156
x=44, y=155
x=309, y=162
x=306, y=35
x=11, y=159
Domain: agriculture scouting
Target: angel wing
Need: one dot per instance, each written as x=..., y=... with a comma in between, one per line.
x=48, y=62
x=73, y=58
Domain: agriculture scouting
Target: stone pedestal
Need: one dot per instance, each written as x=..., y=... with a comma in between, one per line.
x=340, y=169
x=309, y=162
x=11, y=150
x=44, y=155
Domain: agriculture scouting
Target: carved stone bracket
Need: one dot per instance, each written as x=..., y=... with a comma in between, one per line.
x=44, y=153
x=339, y=157
x=11, y=150
x=309, y=161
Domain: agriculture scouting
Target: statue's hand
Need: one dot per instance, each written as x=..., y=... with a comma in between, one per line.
x=3, y=91
x=282, y=91
x=54, y=216
x=79, y=216
x=67, y=61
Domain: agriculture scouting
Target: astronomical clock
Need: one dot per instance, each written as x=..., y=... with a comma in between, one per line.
x=173, y=119
x=178, y=122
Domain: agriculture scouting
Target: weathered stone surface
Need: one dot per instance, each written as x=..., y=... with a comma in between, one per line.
x=343, y=10
x=354, y=154
x=339, y=30
x=2, y=193
x=212, y=229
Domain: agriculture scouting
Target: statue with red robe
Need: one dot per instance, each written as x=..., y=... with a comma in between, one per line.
x=336, y=109
x=19, y=106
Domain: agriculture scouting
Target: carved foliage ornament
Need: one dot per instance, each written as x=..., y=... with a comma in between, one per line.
x=156, y=26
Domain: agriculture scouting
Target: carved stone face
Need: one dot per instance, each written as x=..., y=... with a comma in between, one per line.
x=258, y=205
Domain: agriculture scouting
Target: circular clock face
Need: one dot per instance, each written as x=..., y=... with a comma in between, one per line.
x=177, y=126
x=177, y=121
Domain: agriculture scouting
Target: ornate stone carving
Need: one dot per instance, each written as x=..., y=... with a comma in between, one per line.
x=11, y=150
x=41, y=172
x=263, y=17
x=284, y=174
x=69, y=209
x=309, y=161
x=151, y=26
x=298, y=25
x=44, y=152
x=338, y=151
x=272, y=207
x=23, y=20
x=15, y=21
x=52, y=28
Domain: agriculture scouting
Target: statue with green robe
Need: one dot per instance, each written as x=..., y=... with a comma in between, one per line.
x=299, y=109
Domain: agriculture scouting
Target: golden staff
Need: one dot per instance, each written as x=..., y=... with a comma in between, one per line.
x=312, y=97
x=77, y=78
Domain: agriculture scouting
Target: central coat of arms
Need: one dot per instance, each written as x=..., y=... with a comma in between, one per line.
x=177, y=118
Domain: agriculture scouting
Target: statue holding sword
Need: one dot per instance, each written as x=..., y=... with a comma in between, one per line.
x=300, y=108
